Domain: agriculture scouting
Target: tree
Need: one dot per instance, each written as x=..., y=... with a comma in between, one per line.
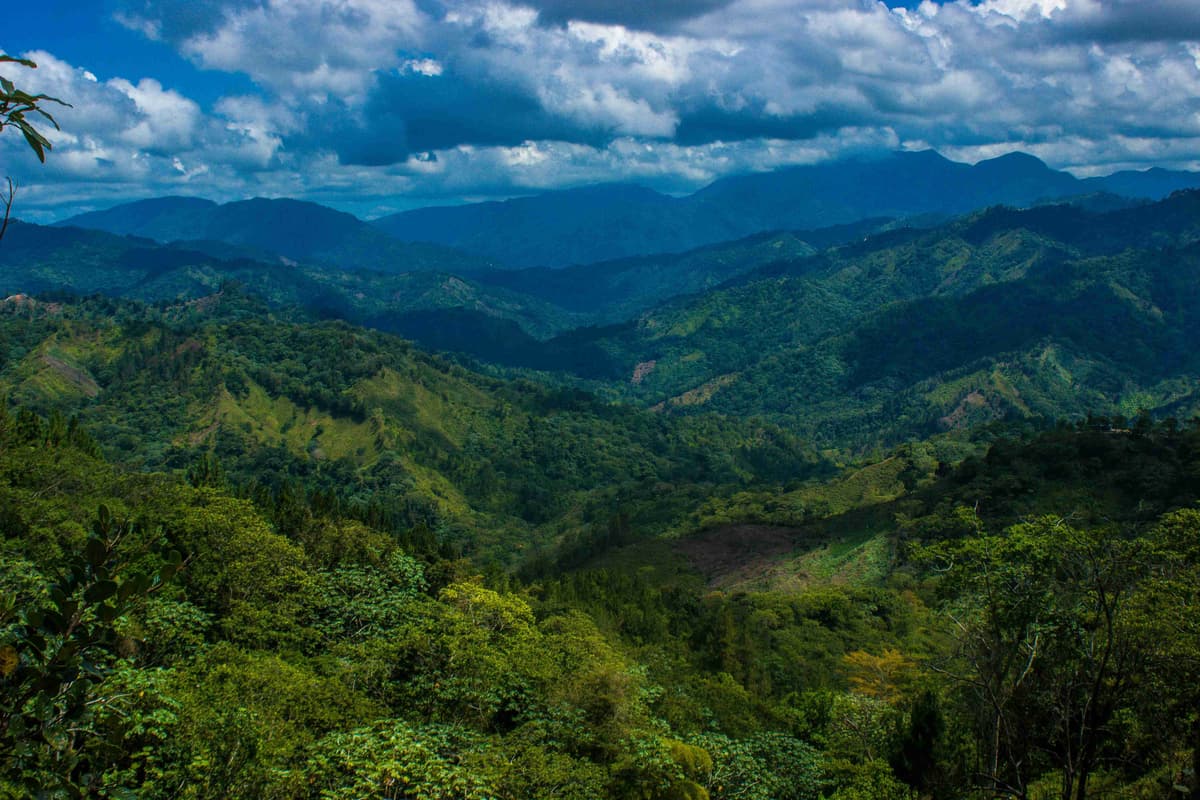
x=58, y=642
x=15, y=108
x=1046, y=657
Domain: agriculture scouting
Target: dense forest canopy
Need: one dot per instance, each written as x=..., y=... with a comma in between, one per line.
x=247, y=555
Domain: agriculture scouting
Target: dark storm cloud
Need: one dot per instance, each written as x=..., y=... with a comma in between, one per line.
x=1130, y=21
x=713, y=124
x=641, y=14
x=415, y=113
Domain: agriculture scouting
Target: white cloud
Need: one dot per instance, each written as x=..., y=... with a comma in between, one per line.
x=310, y=49
x=505, y=99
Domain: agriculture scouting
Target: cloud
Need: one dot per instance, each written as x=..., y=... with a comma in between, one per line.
x=176, y=21
x=1112, y=21
x=637, y=14
x=439, y=99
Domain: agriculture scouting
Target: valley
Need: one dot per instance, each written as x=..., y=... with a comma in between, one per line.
x=298, y=506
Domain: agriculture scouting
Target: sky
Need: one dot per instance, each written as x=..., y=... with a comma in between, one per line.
x=375, y=106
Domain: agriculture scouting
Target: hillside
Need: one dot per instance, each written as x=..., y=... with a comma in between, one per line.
x=1051, y=311
x=820, y=639
x=498, y=467
x=37, y=259
x=614, y=291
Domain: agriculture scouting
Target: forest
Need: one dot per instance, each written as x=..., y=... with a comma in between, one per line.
x=247, y=554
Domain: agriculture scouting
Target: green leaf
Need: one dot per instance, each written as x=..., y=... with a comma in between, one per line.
x=103, y=518
x=97, y=552
x=24, y=62
x=100, y=591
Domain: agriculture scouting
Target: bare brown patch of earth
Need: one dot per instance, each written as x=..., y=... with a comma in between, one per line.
x=79, y=378
x=736, y=553
x=641, y=371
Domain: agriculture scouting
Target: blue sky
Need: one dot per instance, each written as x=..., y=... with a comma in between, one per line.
x=378, y=105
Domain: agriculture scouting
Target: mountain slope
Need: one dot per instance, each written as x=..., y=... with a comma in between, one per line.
x=371, y=420
x=37, y=259
x=613, y=291
x=558, y=228
x=1050, y=311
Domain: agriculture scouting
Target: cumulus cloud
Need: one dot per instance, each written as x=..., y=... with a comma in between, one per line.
x=455, y=98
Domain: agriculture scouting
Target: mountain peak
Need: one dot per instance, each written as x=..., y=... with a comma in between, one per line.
x=1014, y=161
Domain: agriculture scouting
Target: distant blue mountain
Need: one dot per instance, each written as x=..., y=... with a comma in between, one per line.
x=620, y=221
x=292, y=229
x=614, y=221
x=575, y=226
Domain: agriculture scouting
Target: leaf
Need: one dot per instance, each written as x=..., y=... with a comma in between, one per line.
x=103, y=519
x=53, y=622
x=97, y=551
x=24, y=62
x=100, y=591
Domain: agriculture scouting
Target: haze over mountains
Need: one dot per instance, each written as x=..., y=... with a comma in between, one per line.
x=292, y=229
x=616, y=221
x=607, y=222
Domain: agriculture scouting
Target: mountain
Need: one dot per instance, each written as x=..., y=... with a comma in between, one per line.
x=575, y=226
x=1050, y=311
x=580, y=226
x=1151, y=184
x=365, y=416
x=613, y=291
x=37, y=259
x=291, y=229
x=258, y=556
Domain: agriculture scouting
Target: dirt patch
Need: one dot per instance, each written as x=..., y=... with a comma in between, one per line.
x=196, y=437
x=968, y=410
x=23, y=303
x=702, y=394
x=735, y=553
x=641, y=371
x=73, y=375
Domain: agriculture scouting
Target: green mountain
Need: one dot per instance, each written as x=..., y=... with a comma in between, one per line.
x=288, y=598
x=37, y=259
x=370, y=420
x=1050, y=311
x=614, y=291
x=290, y=229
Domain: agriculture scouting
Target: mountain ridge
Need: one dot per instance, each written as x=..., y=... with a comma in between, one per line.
x=296, y=230
x=548, y=230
